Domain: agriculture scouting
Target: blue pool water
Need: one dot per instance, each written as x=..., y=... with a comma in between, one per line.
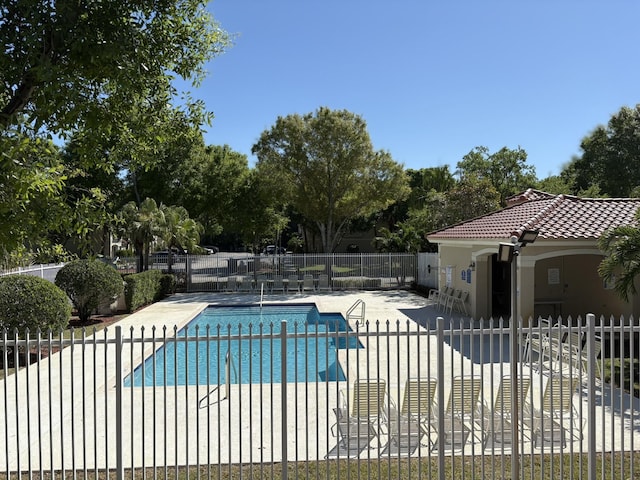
x=194, y=361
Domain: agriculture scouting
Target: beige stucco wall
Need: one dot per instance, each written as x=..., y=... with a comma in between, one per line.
x=457, y=260
x=557, y=278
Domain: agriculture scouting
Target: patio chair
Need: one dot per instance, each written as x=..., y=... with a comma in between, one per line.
x=498, y=419
x=323, y=282
x=462, y=413
x=278, y=284
x=246, y=285
x=307, y=283
x=556, y=408
x=546, y=345
x=359, y=421
x=262, y=283
x=576, y=354
x=443, y=297
x=232, y=284
x=292, y=283
x=459, y=303
x=409, y=424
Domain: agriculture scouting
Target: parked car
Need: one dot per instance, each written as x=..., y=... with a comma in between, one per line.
x=163, y=255
x=272, y=250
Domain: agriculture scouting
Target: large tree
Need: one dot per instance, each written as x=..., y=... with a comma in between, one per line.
x=101, y=74
x=69, y=64
x=610, y=156
x=324, y=164
x=506, y=169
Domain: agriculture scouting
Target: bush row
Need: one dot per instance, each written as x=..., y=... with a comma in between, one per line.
x=147, y=287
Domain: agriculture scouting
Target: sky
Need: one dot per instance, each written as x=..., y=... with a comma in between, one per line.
x=432, y=79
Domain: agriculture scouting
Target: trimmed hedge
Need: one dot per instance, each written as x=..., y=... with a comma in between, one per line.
x=89, y=284
x=32, y=302
x=147, y=287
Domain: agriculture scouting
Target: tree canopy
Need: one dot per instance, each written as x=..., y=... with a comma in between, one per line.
x=324, y=165
x=506, y=169
x=71, y=65
x=610, y=156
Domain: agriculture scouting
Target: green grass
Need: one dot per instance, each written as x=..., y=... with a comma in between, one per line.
x=541, y=467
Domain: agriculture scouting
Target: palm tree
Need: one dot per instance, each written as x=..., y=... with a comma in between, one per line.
x=178, y=230
x=141, y=224
x=621, y=265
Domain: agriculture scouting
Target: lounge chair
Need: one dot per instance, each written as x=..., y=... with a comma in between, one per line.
x=307, y=283
x=246, y=285
x=323, y=282
x=359, y=421
x=278, y=284
x=462, y=414
x=498, y=419
x=232, y=284
x=409, y=424
x=556, y=408
x=292, y=283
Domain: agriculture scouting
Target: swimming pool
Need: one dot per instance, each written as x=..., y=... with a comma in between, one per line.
x=251, y=336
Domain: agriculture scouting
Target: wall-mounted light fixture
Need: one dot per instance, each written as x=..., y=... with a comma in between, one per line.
x=472, y=266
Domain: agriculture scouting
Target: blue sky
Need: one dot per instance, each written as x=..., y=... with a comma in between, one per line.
x=432, y=79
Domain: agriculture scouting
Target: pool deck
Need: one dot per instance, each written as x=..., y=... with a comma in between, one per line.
x=226, y=412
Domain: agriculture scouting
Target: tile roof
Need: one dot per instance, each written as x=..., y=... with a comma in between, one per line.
x=555, y=216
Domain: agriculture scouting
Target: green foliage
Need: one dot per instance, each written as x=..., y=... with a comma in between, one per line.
x=506, y=170
x=28, y=302
x=323, y=165
x=89, y=284
x=611, y=156
x=470, y=198
x=621, y=264
x=168, y=285
x=144, y=288
x=68, y=65
x=31, y=180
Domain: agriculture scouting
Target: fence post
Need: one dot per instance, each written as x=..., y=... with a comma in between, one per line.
x=119, y=433
x=592, y=368
x=283, y=395
x=440, y=393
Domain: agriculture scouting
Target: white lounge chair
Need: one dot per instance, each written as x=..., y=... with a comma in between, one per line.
x=307, y=283
x=359, y=417
x=462, y=415
x=292, y=283
x=549, y=421
x=323, y=282
x=498, y=419
x=278, y=284
x=412, y=421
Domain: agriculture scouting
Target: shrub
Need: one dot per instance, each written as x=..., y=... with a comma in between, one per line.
x=32, y=302
x=89, y=284
x=142, y=289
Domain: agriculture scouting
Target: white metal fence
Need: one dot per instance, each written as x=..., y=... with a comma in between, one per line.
x=222, y=272
x=426, y=398
x=47, y=271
